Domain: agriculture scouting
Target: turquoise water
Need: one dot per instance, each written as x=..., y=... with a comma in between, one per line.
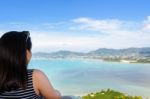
x=81, y=76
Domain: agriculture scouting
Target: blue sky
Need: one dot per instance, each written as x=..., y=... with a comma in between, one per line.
x=79, y=25
x=36, y=11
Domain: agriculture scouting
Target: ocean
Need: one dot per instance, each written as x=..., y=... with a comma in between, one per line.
x=81, y=76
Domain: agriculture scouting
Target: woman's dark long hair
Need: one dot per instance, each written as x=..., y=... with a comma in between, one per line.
x=13, y=60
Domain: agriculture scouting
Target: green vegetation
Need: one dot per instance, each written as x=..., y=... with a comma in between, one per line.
x=109, y=94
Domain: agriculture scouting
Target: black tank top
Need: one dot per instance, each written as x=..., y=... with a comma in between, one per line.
x=20, y=93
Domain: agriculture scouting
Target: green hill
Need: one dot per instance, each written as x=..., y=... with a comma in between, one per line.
x=109, y=94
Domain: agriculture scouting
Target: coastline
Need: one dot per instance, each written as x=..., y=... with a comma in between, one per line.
x=99, y=59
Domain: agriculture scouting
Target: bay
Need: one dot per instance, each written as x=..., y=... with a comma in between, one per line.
x=81, y=76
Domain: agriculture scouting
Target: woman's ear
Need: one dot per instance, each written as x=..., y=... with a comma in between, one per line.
x=28, y=55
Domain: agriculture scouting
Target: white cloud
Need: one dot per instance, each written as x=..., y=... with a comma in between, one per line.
x=90, y=34
x=118, y=33
x=47, y=42
x=50, y=43
x=98, y=25
x=147, y=24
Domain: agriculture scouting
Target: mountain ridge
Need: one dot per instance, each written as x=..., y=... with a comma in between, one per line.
x=134, y=54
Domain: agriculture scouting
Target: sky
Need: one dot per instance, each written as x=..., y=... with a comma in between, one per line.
x=79, y=25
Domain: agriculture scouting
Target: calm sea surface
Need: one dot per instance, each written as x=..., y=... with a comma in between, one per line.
x=81, y=76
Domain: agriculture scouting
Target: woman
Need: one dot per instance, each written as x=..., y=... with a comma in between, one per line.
x=16, y=81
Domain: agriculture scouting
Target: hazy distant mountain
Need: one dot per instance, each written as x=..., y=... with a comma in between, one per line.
x=136, y=54
x=100, y=52
x=59, y=54
x=129, y=51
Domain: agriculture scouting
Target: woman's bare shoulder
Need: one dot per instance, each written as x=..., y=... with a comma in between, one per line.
x=37, y=75
x=44, y=86
x=38, y=72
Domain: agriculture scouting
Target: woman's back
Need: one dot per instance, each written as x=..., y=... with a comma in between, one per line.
x=28, y=93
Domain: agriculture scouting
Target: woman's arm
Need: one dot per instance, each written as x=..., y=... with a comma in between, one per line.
x=43, y=86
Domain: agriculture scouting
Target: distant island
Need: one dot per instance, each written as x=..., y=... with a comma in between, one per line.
x=129, y=55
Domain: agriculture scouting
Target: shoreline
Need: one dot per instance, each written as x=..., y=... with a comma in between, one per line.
x=104, y=60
